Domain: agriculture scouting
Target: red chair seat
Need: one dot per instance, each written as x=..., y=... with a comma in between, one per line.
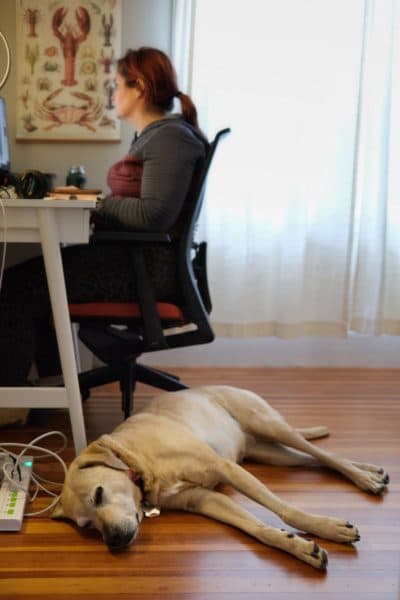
x=130, y=310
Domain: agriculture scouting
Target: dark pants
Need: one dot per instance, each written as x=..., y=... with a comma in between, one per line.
x=92, y=273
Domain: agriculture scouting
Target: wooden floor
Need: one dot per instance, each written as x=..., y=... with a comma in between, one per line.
x=188, y=557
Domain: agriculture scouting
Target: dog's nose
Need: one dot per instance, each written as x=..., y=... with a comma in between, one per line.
x=117, y=538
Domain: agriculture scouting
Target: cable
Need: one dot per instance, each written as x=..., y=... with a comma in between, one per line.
x=34, y=477
x=4, y=76
x=3, y=256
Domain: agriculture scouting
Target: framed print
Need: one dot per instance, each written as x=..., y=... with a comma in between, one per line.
x=66, y=52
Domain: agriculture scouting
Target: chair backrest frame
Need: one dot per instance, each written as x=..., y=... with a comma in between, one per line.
x=194, y=202
x=193, y=304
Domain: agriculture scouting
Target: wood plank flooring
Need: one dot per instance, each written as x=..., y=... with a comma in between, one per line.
x=188, y=557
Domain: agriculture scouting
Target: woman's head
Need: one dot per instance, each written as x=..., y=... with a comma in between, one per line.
x=152, y=71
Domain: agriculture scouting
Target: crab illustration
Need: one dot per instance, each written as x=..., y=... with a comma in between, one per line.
x=69, y=114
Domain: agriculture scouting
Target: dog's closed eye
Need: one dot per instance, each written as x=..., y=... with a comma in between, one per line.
x=88, y=524
x=98, y=496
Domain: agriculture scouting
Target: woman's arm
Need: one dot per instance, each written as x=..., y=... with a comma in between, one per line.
x=169, y=158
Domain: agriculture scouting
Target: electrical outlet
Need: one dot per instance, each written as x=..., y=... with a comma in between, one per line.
x=13, y=494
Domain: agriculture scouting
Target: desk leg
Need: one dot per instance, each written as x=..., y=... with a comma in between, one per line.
x=55, y=278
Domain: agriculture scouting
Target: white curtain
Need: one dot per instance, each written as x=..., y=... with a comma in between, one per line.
x=302, y=213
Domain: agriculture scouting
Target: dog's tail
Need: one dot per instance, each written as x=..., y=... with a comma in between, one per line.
x=312, y=433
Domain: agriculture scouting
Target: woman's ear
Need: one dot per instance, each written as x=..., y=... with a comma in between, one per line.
x=140, y=87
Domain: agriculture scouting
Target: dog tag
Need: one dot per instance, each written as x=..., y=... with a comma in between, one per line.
x=150, y=511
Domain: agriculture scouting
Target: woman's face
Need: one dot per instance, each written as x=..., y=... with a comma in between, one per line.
x=125, y=98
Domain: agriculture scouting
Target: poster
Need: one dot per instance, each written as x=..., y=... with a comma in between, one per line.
x=66, y=55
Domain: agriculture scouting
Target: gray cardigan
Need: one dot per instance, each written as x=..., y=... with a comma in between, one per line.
x=169, y=149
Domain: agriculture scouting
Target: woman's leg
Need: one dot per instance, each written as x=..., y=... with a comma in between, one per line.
x=23, y=298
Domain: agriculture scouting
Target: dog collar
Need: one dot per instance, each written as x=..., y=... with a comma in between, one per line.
x=135, y=477
x=149, y=510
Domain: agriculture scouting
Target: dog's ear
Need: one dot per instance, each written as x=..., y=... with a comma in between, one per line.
x=58, y=511
x=98, y=454
x=134, y=461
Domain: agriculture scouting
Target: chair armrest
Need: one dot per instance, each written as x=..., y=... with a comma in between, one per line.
x=129, y=238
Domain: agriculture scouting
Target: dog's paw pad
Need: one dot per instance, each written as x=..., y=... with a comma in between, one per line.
x=319, y=557
x=349, y=534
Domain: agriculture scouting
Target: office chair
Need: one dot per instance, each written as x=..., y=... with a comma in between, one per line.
x=119, y=332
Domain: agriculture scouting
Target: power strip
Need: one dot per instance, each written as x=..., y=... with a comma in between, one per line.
x=13, y=494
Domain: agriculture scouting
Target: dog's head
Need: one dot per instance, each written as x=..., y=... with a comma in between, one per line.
x=100, y=491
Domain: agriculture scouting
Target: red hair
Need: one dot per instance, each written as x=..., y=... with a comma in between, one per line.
x=156, y=71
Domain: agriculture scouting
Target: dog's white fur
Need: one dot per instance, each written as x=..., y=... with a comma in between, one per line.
x=183, y=444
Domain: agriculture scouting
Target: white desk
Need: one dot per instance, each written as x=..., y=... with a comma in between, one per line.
x=51, y=222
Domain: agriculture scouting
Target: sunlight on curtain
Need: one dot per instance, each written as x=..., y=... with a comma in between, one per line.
x=303, y=202
x=376, y=296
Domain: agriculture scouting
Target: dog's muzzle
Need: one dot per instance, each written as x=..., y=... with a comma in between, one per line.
x=117, y=538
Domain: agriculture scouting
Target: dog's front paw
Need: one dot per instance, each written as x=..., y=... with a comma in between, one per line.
x=313, y=554
x=306, y=550
x=320, y=556
x=342, y=531
x=336, y=530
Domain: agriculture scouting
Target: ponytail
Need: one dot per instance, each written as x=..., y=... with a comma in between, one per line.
x=189, y=111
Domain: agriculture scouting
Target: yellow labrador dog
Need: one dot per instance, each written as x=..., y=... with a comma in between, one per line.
x=173, y=453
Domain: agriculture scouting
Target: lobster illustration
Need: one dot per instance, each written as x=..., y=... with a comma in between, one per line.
x=107, y=28
x=107, y=61
x=70, y=37
x=32, y=17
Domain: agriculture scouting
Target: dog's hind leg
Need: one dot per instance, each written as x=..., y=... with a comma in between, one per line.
x=276, y=454
x=278, y=430
x=273, y=453
x=222, y=508
x=264, y=423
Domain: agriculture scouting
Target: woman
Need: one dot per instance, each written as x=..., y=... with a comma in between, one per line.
x=148, y=188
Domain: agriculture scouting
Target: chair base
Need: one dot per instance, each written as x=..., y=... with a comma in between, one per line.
x=127, y=374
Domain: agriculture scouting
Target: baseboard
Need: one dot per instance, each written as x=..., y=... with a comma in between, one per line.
x=353, y=351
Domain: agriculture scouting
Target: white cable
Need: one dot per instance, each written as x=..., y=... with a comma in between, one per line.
x=4, y=76
x=3, y=258
x=34, y=477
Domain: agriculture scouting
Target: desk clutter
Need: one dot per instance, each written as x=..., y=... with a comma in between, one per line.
x=29, y=184
x=37, y=185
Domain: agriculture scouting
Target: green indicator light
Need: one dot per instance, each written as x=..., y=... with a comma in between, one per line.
x=28, y=463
